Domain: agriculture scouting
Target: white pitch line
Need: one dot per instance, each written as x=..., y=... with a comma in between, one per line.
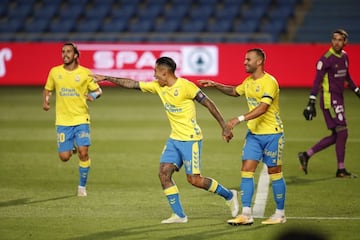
x=322, y=218
x=261, y=193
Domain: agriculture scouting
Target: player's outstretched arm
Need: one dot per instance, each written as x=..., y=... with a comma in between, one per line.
x=228, y=90
x=122, y=82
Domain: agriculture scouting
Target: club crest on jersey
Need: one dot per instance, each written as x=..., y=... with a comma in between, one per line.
x=257, y=88
x=77, y=78
x=176, y=93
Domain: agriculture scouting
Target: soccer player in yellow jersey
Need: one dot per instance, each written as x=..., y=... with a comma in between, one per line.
x=184, y=145
x=264, y=140
x=73, y=87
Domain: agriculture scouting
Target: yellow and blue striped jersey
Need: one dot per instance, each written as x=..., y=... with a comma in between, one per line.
x=266, y=90
x=178, y=101
x=71, y=88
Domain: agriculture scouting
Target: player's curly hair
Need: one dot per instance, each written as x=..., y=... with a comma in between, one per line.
x=167, y=62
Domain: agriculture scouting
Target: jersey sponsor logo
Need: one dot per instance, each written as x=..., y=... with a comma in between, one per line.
x=171, y=108
x=68, y=92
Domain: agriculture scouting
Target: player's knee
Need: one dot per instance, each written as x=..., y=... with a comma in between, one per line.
x=64, y=156
x=165, y=172
x=195, y=180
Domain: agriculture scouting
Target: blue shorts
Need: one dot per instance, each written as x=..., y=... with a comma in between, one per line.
x=67, y=136
x=180, y=153
x=267, y=148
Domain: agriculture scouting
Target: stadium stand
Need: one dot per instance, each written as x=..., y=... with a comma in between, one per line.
x=147, y=20
x=324, y=16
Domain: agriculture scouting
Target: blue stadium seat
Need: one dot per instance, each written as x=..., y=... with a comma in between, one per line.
x=281, y=13
x=129, y=2
x=149, y=13
x=207, y=2
x=193, y=26
x=124, y=12
x=222, y=26
x=37, y=25
x=177, y=2
x=46, y=12
x=177, y=12
x=201, y=13
x=167, y=26
x=255, y=13
x=71, y=12
x=141, y=26
x=63, y=26
x=274, y=28
x=21, y=11
x=103, y=2
x=77, y=2
x=260, y=3
x=11, y=26
x=227, y=13
x=97, y=12
x=115, y=25
x=247, y=26
x=233, y=2
x=88, y=25
x=291, y=3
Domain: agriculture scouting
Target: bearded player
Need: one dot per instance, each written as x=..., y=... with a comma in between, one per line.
x=73, y=88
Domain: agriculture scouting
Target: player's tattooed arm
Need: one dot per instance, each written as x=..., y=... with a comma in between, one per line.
x=122, y=82
x=228, y=90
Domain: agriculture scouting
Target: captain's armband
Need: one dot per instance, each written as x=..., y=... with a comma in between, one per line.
x=200, y=96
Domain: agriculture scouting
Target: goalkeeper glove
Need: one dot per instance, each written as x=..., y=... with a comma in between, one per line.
x=357, y=92
x=310, y=111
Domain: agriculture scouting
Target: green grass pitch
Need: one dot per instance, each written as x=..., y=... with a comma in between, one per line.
x=125, y=200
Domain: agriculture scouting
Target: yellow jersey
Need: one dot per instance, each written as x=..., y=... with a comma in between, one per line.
x=178, y=101
x=71, y=89
x=266, y=90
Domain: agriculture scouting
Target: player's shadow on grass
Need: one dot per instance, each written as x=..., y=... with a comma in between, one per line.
x=26, y=201
x=177, y=230
x=294, y=180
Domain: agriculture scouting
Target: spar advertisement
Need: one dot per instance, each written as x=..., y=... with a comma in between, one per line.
x=293, y=65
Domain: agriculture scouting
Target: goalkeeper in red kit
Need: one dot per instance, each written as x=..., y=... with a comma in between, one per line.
x=332, y=72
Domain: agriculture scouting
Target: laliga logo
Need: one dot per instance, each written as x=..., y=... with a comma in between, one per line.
x=5, y=55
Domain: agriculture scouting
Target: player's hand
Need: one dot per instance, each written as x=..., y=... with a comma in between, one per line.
x=46, y=106
x=98, y=78
x=310, y=110
x=357, y=92
x=46, y=103
x=206, y=83
x=227, y=134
